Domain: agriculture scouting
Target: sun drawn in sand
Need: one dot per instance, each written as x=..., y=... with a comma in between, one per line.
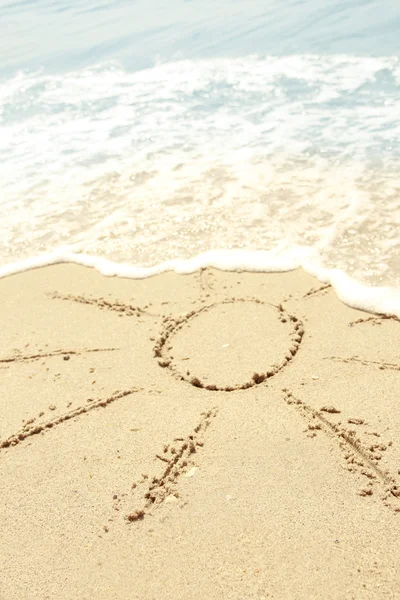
x=353, y=438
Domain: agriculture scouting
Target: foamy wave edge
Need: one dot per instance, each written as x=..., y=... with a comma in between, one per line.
x=384, y=300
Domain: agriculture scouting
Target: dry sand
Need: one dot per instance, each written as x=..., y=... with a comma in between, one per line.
x=124, y=477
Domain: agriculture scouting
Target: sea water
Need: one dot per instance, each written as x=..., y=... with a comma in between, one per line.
x=138, y=136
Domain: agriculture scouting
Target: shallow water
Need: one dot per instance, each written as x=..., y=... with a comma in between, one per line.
x=142, y=134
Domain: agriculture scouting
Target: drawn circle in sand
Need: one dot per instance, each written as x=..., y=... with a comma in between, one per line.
x=230, y=345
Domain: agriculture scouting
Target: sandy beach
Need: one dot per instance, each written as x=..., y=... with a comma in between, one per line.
x=216, y=435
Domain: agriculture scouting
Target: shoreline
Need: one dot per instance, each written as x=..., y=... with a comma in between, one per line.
x=351, y=291
x=215, y=434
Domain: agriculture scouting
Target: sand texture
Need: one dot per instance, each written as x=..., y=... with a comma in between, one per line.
x=207, y=436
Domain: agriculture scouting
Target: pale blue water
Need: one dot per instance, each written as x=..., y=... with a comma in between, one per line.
x=152, y=131
x=70, y=35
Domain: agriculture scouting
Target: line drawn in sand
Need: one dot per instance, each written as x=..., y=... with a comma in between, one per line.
x=31, y=429
x=361, y=457
x=178, y=460
x=317, y=291
x=63, y=353
x=127, y=310
x=374, y=320
x=381, y=365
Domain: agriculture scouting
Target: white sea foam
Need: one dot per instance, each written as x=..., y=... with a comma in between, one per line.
x=251, y=163
x=352, y=292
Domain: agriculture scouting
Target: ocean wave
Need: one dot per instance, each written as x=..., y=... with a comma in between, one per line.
x=167, y=163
